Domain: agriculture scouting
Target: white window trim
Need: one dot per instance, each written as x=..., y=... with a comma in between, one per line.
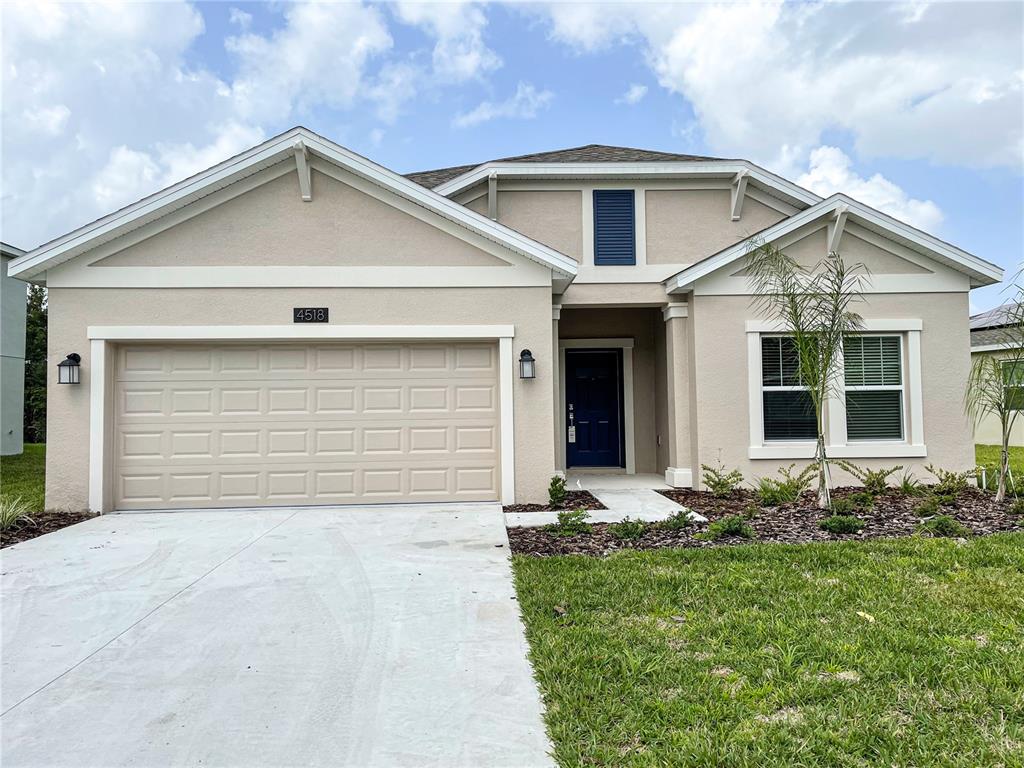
x=639, y=227
x=836, y=444
x=628, y=427
x=840, y=409
x=101, y=337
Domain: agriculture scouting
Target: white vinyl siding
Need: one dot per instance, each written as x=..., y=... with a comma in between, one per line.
x=873, y=367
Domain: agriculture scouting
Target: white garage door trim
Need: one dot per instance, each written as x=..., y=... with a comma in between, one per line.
x=99, y=376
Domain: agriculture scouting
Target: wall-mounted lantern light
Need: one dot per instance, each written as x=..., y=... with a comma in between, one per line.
x=67, y=369
x=527, y=365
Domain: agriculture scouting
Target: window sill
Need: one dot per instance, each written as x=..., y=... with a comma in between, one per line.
x=852, y=451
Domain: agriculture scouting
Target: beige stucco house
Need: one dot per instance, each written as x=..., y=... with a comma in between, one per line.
x=990, y=337
x=299, y=325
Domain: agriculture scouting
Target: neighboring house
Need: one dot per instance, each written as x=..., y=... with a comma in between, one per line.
x=207, y=378
x=12, y=354
x=989, y=337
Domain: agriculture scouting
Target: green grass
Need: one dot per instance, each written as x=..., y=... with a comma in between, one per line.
x=897, y=653
x=988, y=456
x=24, y=476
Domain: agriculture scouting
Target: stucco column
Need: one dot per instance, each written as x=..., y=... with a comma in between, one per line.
x=679, y=473
x=556, y=362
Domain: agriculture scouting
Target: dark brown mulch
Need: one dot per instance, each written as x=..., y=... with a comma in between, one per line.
x=573, y=500
x=42, y=522
x=892, y=516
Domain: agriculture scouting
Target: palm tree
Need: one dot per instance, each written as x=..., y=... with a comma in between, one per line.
x=996, y=383
x=813, y=307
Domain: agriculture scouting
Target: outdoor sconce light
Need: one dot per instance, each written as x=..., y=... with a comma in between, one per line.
x=67, y=369
x=527, y=365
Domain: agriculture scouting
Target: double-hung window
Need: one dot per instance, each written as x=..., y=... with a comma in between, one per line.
x=614, y=227
x=1013, y=383
x=787, y=406
x=873, y=367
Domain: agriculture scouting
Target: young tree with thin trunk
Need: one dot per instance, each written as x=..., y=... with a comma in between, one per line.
x=996, y=384
x=813, y=307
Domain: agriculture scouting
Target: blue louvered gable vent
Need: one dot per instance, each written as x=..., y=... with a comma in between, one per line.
x=614, y=227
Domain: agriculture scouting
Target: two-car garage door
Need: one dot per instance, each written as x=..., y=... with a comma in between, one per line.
x=325, y=423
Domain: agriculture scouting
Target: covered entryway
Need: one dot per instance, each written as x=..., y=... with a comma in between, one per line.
x=271, y=424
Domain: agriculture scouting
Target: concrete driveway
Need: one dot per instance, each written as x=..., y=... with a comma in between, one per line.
x=285, y=637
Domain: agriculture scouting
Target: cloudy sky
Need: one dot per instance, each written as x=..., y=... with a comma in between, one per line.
x=915, y=108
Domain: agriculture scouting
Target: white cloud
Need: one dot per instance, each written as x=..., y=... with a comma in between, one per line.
x=240, y=18
x=460, y=52
x=49, y=120
x=831, y=171
x=633, y=94
x=319, y=56
x=524, y=104
x=127, y=174
x=768, y=80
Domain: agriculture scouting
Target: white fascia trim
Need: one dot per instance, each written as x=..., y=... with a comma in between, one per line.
x=980, y=271
x=1005, y=347
x=902, y=324
x=295, y=332
x=685, y=168
x=272, y=151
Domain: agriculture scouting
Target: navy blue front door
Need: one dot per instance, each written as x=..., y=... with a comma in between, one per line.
x=593, y=408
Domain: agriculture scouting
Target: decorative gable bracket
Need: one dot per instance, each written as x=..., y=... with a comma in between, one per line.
x=836, y=227
x=302, y=165
x=739, y=191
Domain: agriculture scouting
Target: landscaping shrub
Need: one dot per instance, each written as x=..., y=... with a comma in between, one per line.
x=928, y=507
x=843, y=507
x=772, y=492
x=729, y=526
x=556, y=491
x=13, y=512
x=571, y=522
x=950, y=483
x=1017, y=508
x=676, y=522
x=875, y=481
x=628, y=529
x=862, y=501
x=841, y=524
x=943, y=525
x=719, y=482
x=910, y=485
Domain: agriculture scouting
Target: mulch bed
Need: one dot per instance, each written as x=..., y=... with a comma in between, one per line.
x=573, y=500
x=42, y=522
x=797, y=523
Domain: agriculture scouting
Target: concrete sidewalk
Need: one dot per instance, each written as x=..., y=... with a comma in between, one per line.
x=382, y=636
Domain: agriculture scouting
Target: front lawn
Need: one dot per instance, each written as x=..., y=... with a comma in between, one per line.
x=988, y=456
x=898, y=653
x=25, y=476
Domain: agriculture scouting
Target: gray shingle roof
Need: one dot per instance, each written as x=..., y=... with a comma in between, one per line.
x=589, y=153
x=991, y=327
x=993, y=318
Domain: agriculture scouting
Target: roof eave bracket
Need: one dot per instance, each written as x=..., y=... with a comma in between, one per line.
x=836, y=227
x=739, y=192
x=302, y=165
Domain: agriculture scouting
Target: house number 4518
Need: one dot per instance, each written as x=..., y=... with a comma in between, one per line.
x=309, y=315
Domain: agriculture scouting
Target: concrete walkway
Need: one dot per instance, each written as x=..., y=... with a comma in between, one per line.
x=337, y=637
x=632, y=496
